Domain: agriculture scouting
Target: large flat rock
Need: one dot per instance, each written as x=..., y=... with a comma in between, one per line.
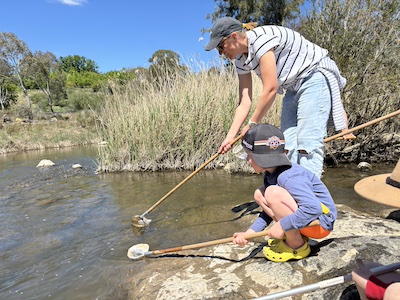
x=218, y=273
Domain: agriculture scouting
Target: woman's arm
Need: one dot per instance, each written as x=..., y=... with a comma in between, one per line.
x=242, y=111
x=270, y=86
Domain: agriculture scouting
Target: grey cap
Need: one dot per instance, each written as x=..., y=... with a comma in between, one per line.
x=222, y=28
x=267, y=146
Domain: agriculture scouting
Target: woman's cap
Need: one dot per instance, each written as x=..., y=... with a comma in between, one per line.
x=267, y=146
x=222, y=28
x=384, y=188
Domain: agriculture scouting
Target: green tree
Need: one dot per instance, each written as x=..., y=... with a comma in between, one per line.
x=165, y=65
x=13, y=51
x=7, y=87
x=363, y=38
x=81, y=71
x=43, y=70
x=276, y=12
x=83, y=79
x=122, y=76
x=78, y=64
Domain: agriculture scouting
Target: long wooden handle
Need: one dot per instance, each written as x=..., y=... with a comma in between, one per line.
x=186, y=179
x=333, y=137
x=220, y=241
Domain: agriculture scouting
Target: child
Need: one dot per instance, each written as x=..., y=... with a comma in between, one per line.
x=291, y=195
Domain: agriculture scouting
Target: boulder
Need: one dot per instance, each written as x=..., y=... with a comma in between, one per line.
x=45, y=163
x=223, y=272
x=364, y=166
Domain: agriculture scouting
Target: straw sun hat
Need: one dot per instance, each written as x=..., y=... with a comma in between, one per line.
x=384, y=188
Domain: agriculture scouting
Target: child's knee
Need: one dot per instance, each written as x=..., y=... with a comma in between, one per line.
x=258, y=197
x=272, y=194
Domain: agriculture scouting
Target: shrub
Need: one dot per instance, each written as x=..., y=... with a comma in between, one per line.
x=363, y=38
x=79, y=99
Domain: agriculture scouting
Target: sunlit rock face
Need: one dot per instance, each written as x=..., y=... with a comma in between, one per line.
x=222, y=272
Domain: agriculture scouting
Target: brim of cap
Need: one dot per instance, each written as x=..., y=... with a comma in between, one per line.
x=271, y=160
x=212, y=44
x=376, y=189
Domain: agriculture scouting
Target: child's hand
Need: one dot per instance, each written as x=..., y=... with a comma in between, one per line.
x=238, y=238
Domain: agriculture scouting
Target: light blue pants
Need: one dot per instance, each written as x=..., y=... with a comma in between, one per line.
x=304, y=120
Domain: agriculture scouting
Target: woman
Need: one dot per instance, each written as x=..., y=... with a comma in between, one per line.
x=284, y=60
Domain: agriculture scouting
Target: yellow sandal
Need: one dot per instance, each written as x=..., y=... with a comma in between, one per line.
x=272, y=242
x=281, y=252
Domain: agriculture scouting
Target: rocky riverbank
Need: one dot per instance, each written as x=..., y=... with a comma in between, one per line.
x=370, y=148
x=219, y=272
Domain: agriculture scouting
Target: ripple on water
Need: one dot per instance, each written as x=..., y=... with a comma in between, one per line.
x=65, y=232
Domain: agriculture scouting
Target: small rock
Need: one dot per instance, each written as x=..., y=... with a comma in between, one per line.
x=76, y=166
x=45, y=163
x=364, y=166
x=7, y=119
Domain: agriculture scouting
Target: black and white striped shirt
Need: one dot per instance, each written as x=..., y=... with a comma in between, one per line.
x=296, y=58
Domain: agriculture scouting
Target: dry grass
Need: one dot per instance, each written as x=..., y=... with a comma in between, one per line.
x=175, y=124
x=45, y=134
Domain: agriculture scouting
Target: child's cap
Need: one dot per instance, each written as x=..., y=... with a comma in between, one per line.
x=267, y=146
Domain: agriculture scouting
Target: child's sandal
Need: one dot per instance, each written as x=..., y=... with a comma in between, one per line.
x=282, y=252
x=272, y=242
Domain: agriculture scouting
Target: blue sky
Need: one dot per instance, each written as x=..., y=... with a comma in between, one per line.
x=114, y=33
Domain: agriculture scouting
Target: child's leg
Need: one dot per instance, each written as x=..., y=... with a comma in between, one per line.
x=282, y=204
x=259, y=198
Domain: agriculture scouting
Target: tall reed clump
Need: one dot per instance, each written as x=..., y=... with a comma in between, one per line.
x=363, y=37
x=170, y=123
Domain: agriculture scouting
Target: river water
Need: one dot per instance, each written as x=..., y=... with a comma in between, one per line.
x=65, y=232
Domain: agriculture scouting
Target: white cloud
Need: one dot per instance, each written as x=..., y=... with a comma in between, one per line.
x=72, y=2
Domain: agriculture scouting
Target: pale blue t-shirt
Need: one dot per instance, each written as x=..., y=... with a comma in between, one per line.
x=308, y=191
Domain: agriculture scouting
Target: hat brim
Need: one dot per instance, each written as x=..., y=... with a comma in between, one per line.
x=271, y=160
x=212, y=44
x=376, y=189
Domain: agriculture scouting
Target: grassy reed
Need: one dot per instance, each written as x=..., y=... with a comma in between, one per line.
x=174, y=124
x=41, y=135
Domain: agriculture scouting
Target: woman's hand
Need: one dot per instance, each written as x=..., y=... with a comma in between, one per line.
x=225, y=146
x=349, y=136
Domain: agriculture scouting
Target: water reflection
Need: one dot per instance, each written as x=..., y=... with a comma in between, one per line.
x=65, y=232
